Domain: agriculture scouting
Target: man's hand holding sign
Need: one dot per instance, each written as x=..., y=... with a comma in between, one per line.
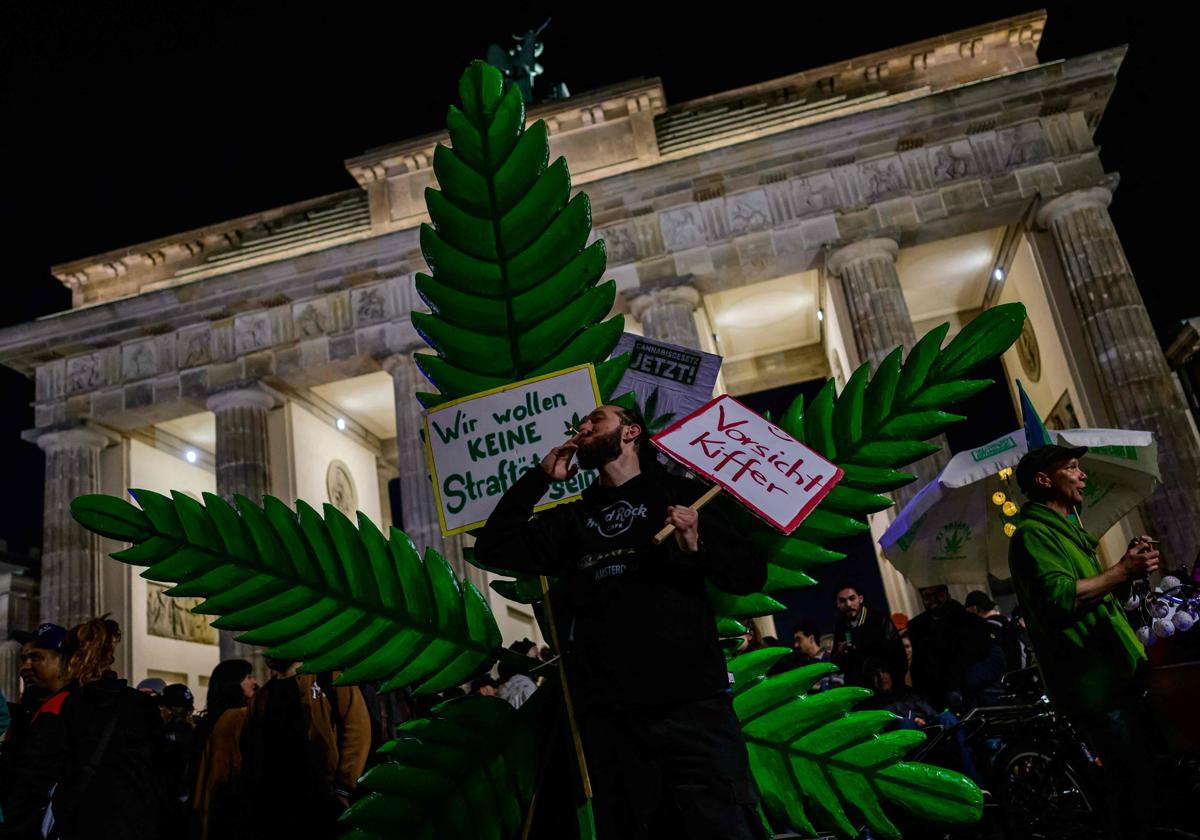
x=765, y=468
x=599, y=440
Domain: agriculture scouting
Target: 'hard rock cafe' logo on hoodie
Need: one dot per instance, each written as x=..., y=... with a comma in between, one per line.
x=616, y=519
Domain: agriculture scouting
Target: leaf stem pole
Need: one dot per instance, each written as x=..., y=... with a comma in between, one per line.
x=541, y=777
x=562, y=673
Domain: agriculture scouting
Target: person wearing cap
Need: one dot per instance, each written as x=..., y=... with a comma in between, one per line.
x=90, y=768
x=43, y=669
x=1000, y=627
x=1091, y=661
x=175, y=704
x=153, y=686
x=43, y=663
x=485, y=686
x=43, y=672
x=515, y=687
x=955, y=662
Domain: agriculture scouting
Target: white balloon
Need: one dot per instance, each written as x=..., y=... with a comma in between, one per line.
x=1133, y=603
x=1183, y=621
x=1160, y=609
x=1164, y=629
x=1145, y=636
x=1169, y=583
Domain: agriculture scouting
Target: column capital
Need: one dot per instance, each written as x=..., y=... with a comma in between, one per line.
x=1049, y=212
x=244, y=395
x=642, y=300
x=397, y=360
x=863, y=249
x=77, y=436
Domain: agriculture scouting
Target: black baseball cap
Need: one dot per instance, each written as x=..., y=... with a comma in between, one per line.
x=177, y=696
x=979, y=599
x=48, y=636
x=1042, y=459
x=485, y=680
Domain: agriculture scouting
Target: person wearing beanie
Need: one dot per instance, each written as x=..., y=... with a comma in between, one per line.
x=176, y=704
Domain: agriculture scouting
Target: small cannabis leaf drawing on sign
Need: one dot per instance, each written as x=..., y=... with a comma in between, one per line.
x=655, y=423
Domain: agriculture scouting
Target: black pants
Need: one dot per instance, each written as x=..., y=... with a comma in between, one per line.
x=676, y=771
x=1124, y=738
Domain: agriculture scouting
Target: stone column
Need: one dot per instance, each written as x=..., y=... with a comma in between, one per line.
x=71, y=555
x=418, y=508
x=242, y=452
x=879, y=316
x=242, y=469
x=880, y=322
x=666, y=314
x=1135, y=381
x=10, y=668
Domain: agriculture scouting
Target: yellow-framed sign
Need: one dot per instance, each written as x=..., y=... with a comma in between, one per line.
x=478, y=446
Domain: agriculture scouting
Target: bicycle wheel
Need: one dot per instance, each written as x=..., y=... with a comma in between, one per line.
x=1042, y=795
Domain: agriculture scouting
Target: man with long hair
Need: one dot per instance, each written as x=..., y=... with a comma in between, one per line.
x=663, y=746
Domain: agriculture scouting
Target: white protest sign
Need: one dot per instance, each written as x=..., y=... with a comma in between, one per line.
x=764, y=467
x=478, y=446
x=670, y=381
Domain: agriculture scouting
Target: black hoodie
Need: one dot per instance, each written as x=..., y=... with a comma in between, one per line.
x=639, y=626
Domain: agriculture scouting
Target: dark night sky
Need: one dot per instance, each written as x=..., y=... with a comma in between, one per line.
x=124, y=122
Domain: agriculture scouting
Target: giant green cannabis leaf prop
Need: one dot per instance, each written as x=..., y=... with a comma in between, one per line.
x=816, y=761
x=513, y=293
x=513, y=290
x=467, y=771
x=321, y=591
x=877, y=424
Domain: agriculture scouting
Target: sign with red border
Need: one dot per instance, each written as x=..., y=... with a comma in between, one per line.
x=764, y=467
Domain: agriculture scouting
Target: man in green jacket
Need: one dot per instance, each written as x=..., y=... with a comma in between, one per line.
x=1091, y=660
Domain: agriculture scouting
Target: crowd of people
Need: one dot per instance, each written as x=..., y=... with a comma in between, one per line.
x=928, y=670
x=86, y=755
x=951, y=656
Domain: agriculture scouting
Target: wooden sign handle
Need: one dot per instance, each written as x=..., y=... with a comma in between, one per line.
x=708, y=496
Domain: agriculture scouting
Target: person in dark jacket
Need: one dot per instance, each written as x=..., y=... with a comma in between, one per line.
x=91, y=764
x=956, y=660
x=176, y=705
x=306, y=744
x=913, y=712
x=43, y=672
x=663, y=747
x=861, y=633
x=912, y=709
x=1002, y=629
x=806, y=650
